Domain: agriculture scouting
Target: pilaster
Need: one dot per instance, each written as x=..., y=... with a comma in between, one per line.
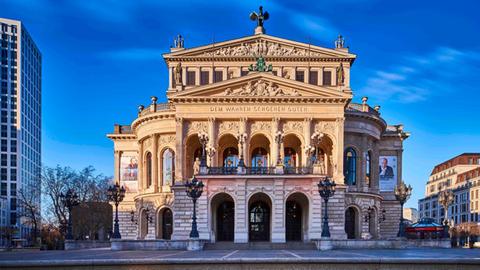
x=155, y=163
x=179, y=150
x=338, y=166
x=140, y=166
x=116, y=161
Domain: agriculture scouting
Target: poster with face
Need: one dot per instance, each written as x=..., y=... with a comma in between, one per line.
x=388, y=172
x=129, y=172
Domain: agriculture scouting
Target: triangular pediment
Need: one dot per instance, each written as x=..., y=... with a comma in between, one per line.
x=262, y=85
x=260, y=45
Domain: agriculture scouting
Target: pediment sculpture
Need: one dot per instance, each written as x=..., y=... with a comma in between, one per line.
x=261, y=88
x=262, y=48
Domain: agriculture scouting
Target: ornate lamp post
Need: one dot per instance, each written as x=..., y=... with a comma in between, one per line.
x=69, y=200
x=402, y=194
x=115, y=194
x=194, y=190
x=242, y=137
x=203, y=137
x=326, y=189
x=279, y=140
x=445, y=198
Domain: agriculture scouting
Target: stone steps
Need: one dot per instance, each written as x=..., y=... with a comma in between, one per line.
x=260, y=246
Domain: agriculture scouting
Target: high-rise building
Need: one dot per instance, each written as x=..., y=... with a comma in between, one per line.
x=20, y=105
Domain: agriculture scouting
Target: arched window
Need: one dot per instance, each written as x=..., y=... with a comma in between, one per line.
x=350, y=167
x=368, y=168
x=259, y=157
x=148, y=166
x=230, y=157
x=168, y=167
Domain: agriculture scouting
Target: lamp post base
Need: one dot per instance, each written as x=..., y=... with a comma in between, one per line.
x=194, y=244
x=325, y=243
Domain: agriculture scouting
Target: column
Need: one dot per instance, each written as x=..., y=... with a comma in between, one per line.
x=320, y=76
x=155, y=178
x=274, y=150
x=212, y=74
x=117, y=156
x=184, y=76
x=307, y=75
x=140, y=166
x=179, y=150
x=278, y=211
x=243, y=129
x=212, y=136
x=338, y=171
x=197, y=76
x=170, y=78
x=307, y=133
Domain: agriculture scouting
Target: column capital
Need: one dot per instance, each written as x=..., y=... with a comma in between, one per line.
x=179, y=121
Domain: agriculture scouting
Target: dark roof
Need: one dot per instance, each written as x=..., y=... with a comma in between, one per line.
x=461, y=159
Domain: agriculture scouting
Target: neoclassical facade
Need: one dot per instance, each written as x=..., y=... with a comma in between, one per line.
x=274, y=116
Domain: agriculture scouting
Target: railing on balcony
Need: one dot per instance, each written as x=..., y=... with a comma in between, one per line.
x=258, y=171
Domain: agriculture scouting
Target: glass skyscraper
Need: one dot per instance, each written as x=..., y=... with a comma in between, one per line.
x=20, y=105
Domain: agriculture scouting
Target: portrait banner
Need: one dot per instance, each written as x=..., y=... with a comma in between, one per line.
x=387, y=173
x=129, y=172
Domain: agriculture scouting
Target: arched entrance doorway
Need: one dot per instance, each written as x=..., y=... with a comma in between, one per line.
x=351, y=223
x=165, y=224
x=223, y=217
x=259, y=215
x=296, y=217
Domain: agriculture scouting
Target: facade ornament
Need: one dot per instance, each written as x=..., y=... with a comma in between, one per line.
x=260, y=17
x=293, y=126
x=340, y=42
x=178, y=74
x=340, y=75
x=261, y=126
x=140, y=108
x=262, y=48
x=196, y=166
x=261, y=88
x=260, y=66
x=179, y=121
x=178, y=42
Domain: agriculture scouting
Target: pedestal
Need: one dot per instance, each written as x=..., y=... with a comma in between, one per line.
x=279, y=169
x=325, y=243
x=194, y=244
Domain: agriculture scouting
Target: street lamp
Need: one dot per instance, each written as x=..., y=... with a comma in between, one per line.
x=279, y=140
x=402, y=194
x=69, y=200
x=194, y=190
x=326, y=189
x=116, y=194
x=203, y=138
x=445, y=198
x=242, y=137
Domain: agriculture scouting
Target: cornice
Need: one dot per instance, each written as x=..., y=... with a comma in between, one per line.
x=150, y=117
x=122, y=137
x=256, y=100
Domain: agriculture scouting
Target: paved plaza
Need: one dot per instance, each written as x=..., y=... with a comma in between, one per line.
x=424, y=257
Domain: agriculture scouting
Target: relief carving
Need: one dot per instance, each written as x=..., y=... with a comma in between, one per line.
x=196, y=127
x=167, y=139
x=325, y=127
x=262, y=48
x=292, y=126
x=261, y=88
x=228, y=126
x=261, y=126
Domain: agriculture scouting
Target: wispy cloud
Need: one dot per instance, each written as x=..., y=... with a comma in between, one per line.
x=134, y=54
x=316, y=26
x=418, y=77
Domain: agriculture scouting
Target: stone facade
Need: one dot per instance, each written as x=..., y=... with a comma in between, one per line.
x=292, y=126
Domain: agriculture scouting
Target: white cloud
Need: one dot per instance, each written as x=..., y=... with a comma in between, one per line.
x=418, y=77
x=315, y=26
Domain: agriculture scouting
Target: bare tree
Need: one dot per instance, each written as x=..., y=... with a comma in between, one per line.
x=29, y=205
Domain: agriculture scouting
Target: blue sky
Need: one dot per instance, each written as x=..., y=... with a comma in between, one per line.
x=419, y=60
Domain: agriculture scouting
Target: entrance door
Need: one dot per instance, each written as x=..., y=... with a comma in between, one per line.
x=167, y=221
x=259, y=222
x=293, y=221
x=225, y=221
x=350, y=223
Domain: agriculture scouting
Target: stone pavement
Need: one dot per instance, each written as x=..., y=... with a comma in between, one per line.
x=209, y=259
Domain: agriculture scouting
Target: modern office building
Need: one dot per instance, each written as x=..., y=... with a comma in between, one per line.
x=20, y=104
x=260, y=120
x=461, y=175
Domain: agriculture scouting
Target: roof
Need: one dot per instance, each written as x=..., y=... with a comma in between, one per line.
x=461, y=159
x=465, y=176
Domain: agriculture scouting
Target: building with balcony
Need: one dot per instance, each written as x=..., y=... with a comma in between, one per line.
x=260, y=120
x=461, y=175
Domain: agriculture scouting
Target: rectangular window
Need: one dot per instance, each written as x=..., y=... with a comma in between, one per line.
x=204, y=77
x=243, y=72
x=300, y=76
x=218, y=76
x=327, y=78
x=190, y=78
x=313, y=77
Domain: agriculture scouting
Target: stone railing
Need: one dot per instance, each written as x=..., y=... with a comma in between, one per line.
x=159, y=108
x=360, y=108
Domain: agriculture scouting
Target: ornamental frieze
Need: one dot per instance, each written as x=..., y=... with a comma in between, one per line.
x=262, y=48
x=293, y=126
x=196, y=127
x=228, y=126
x=166, y=139
x=261, y=126
x=261, y=88
x=326, y=127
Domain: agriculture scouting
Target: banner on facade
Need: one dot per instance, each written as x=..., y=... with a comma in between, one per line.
x=129, y=172
x=388, y=172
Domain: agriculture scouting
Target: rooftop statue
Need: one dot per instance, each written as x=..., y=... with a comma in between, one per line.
x=260, y=17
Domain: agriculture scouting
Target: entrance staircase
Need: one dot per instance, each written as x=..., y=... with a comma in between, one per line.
x=260, y=246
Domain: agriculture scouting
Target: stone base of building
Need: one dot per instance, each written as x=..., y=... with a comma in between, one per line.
x=123, y=244
x=323, y=244
x=85, y=244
